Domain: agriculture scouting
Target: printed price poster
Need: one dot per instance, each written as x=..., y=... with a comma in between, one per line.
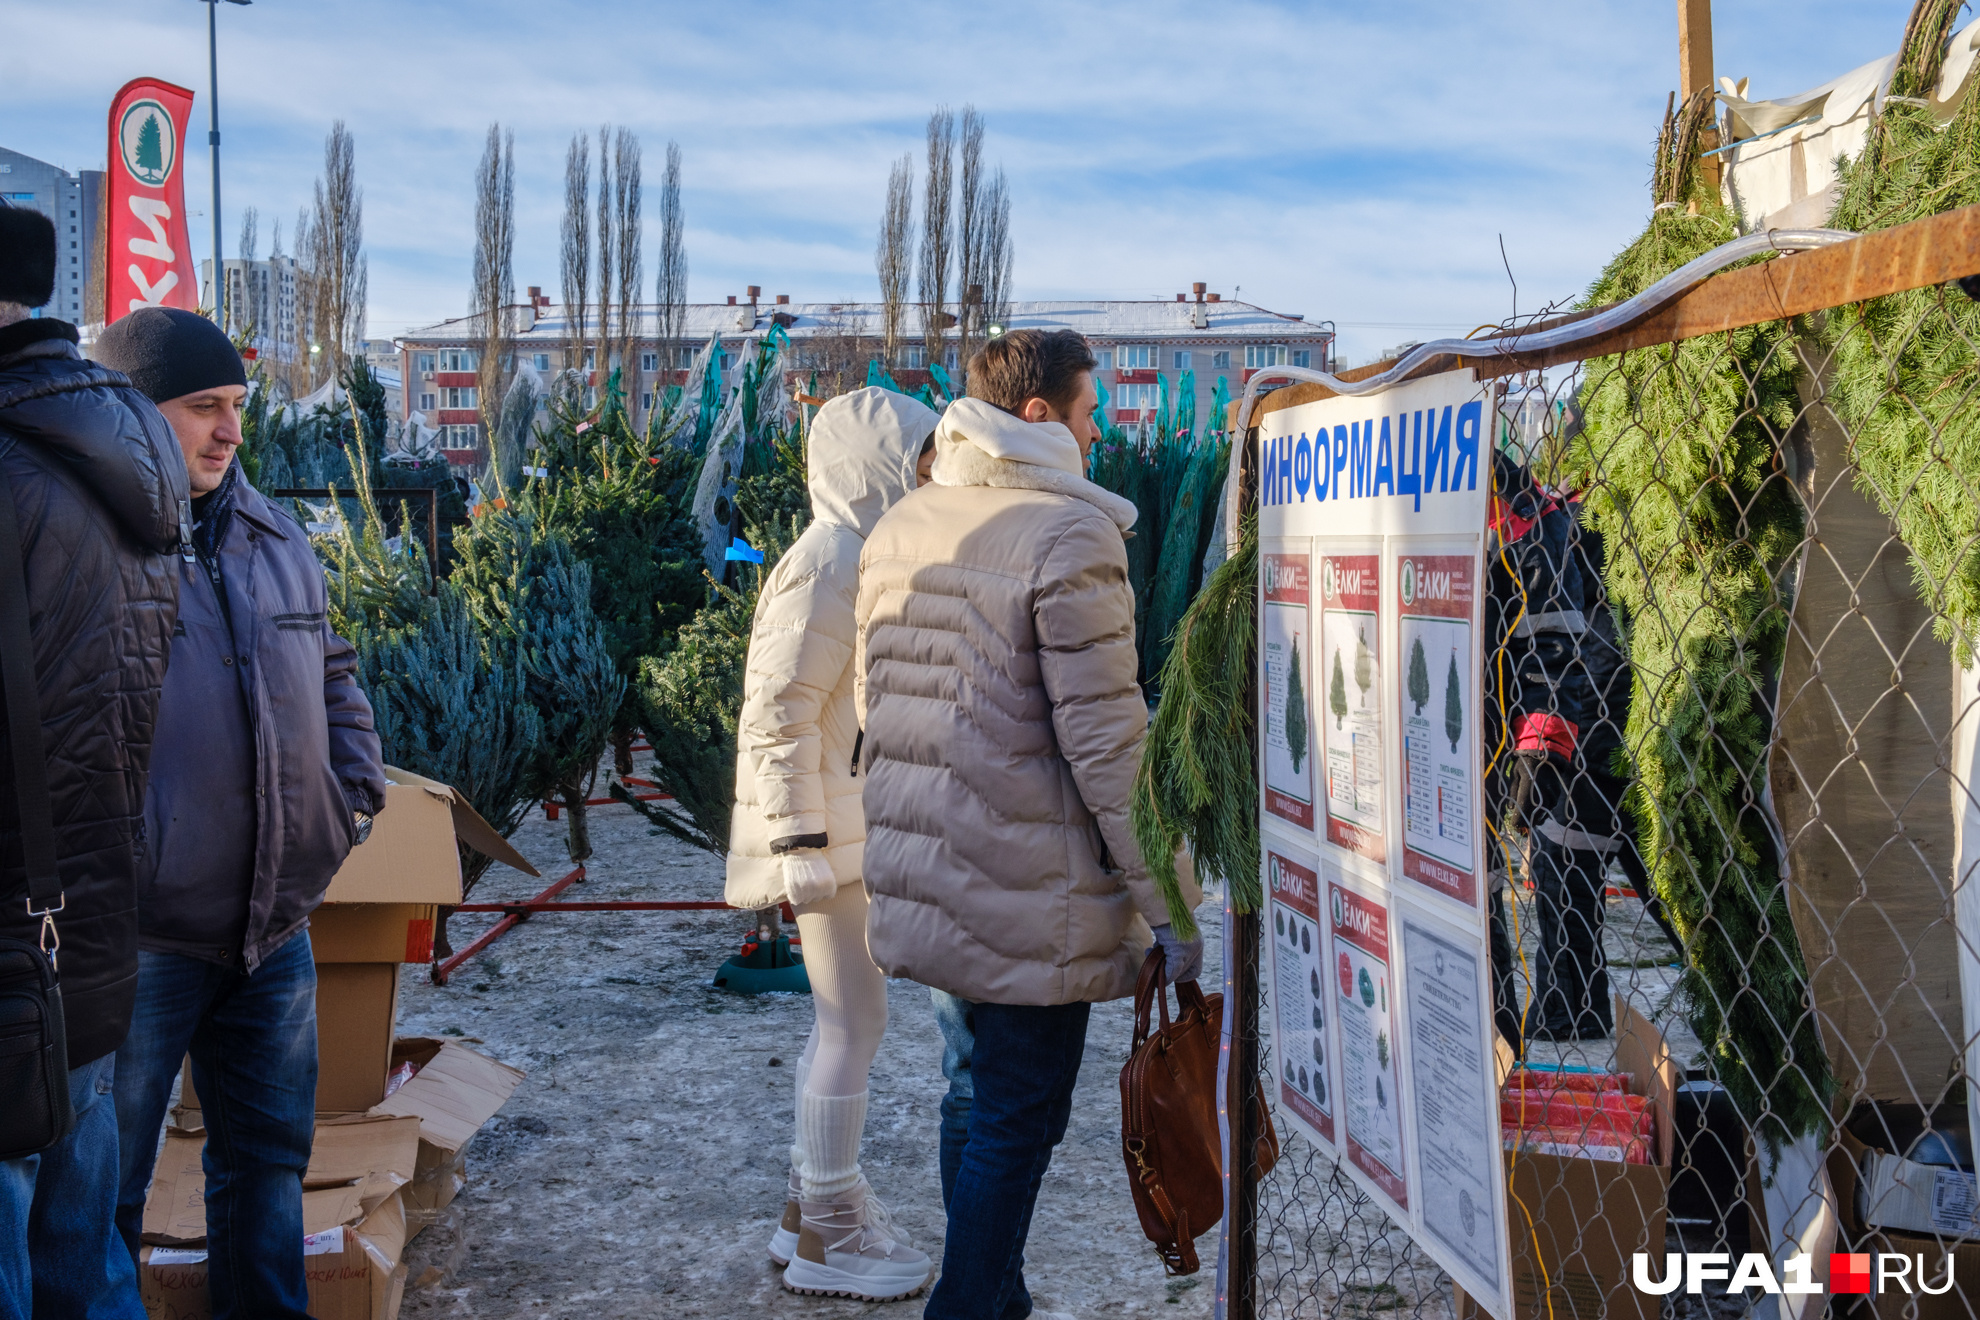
x=1365, y=999
x=1288, y=686
x=1453, y=1101
x=1299, y=995
x=1351, y=675
x=1434, y=599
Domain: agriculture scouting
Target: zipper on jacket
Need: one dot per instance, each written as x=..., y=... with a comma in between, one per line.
x=859, y=740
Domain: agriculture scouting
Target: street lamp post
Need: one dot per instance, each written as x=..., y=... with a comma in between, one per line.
x=213, y=144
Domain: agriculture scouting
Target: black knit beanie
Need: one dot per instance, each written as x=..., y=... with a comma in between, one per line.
x=27, y=256
x=169, y=353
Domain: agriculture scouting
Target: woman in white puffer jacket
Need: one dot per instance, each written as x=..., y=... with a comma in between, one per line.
x=798, y=833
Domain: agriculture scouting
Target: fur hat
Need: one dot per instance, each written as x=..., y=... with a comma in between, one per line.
x=27, y=256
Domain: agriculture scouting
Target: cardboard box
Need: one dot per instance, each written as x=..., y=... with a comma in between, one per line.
x=354, y=1222
x=412, y=855
x=1589, y=1217
x=1898, y=1193
x=357, y=1008
x=453, y=1094
x=373, y=932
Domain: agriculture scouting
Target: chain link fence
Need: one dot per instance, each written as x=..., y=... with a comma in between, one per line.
x=1732, y=580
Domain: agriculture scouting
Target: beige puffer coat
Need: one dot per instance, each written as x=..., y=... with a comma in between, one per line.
x=795, y=777
x=1003, y=724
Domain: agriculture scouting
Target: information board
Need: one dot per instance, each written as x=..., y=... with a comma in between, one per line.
x=1300, y=1006
x=1288, y=665
x=1374, y=838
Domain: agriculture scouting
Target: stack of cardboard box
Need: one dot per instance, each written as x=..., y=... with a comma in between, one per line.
x=394, y=1116
x=1576, y=1221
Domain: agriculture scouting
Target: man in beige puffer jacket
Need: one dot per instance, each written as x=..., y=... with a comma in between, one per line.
x=1003, y=726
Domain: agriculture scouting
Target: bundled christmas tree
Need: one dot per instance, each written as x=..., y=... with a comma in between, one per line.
x=1679, y=462
x=1902, y=365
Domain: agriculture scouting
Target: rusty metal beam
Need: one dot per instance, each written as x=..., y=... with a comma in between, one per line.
x=1917, y=255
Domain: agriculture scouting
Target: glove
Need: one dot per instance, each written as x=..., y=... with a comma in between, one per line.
x=1182, y=960
x=808, y=877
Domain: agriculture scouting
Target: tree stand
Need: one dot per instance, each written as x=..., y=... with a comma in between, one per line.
x=767, y=961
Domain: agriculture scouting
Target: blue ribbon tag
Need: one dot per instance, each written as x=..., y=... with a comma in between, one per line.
x=742, y=550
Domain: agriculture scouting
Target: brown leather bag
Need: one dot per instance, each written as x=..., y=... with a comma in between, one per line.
x=1169, y=1137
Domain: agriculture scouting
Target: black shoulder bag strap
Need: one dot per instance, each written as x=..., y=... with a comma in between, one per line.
x=37, y=816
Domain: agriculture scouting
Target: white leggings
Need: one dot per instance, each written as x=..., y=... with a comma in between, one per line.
x=848, y=994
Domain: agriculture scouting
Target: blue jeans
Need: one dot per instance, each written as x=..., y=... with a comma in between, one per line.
x=59, y=1252
x=1023, y=1067
x=253, y=1044
x=952, y=1015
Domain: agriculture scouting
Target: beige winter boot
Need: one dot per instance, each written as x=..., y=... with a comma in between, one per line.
x=783, y=1242
x=847, y=1248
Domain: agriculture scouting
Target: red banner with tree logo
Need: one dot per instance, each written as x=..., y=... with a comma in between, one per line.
x=147, y=253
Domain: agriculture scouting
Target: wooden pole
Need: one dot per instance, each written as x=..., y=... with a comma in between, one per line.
x=1695, y=70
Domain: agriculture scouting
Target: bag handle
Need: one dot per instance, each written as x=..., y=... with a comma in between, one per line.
x=1148, y=992
x=37, y=816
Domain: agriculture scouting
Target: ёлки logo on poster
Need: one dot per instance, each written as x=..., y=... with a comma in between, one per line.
x=1863, y=1273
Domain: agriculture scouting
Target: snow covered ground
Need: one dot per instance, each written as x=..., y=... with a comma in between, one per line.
x=640, y=1169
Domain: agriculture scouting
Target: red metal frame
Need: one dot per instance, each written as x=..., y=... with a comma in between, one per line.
x=515, y=913
x=551, y=810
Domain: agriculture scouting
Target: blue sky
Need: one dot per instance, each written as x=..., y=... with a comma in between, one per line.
x=1354, y=162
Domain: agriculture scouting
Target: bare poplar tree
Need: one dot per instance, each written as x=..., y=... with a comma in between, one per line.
x=337, y=254
x=98, y=265
x=671, y=283
x=937, y=226
x=607, y=256
x=995, y=263
x=969, y=235
x=577, y=245
x=304, y=364
x=893, y=255
x=626, y=204
x=245, y=312
x=494, y=271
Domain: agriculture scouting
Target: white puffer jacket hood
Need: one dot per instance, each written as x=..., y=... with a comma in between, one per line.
x=796, y=784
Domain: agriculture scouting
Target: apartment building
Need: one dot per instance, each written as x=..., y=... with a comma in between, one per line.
x=1135, y=341
x=70, y=200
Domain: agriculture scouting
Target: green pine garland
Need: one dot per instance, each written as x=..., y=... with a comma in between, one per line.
x=1905, y=367
x=1196, y=782
x=1679, y=466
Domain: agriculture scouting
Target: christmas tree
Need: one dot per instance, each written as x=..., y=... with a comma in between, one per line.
x=1419, y=675
x=529, y=588
x=451, y=703
x=1296, y=712
x=150, y=151
x=1337, y=692
x=1453, y=704
x=1364, y=665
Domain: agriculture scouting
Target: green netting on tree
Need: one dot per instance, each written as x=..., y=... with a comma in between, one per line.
x=1679, y=467
x=1196, y=783
x=1905, y=368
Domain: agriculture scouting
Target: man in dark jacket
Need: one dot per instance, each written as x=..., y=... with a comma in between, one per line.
x=99, y=492
x=266, y=774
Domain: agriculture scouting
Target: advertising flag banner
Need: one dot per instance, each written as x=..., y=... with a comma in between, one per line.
x=147, y=255
x=1388, y=1063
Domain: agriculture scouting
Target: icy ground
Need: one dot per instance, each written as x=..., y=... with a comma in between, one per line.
x=640, y=1169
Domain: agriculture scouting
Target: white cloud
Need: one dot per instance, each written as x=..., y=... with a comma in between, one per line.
x=1350, y=162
